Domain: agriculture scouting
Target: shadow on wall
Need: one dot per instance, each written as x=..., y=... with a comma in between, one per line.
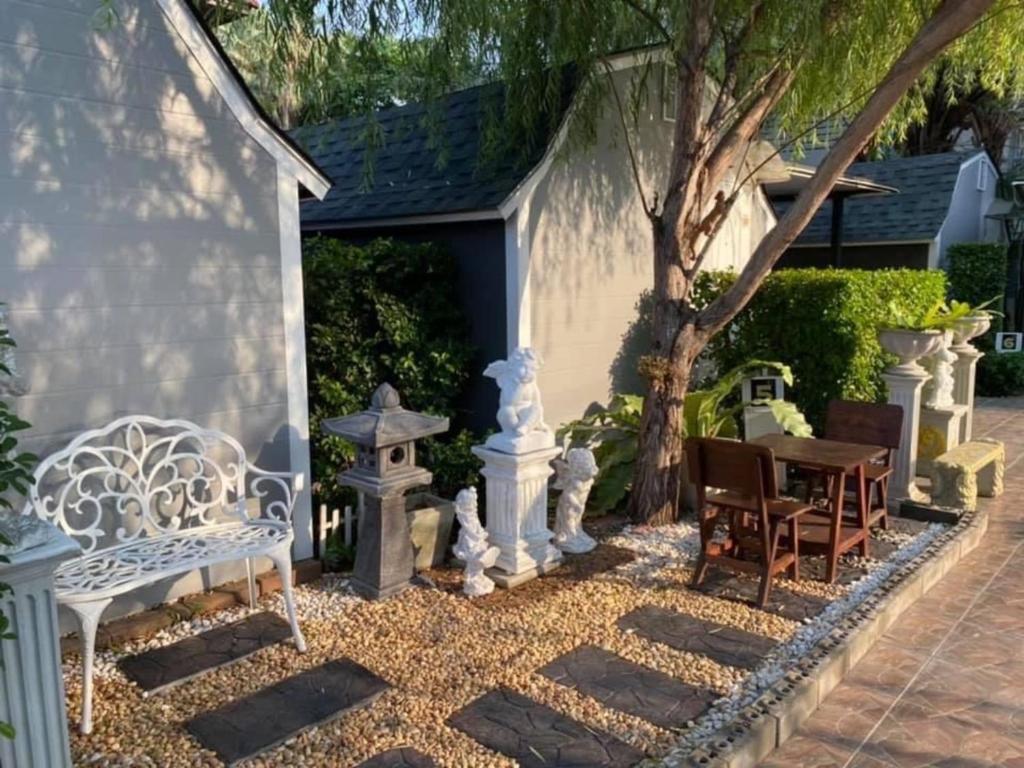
x=636, y=342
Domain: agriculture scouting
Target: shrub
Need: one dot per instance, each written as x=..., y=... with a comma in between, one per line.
x=1001, y=375
x=386, y=311
x=977, y=272
x=824, y=323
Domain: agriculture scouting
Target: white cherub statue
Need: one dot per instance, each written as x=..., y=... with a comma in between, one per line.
x=520, y=413
x=576, y=473
x=471, y=547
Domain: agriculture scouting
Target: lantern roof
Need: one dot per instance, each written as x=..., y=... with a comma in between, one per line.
x=385, y=422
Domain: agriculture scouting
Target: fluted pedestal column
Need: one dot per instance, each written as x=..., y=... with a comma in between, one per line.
x=964, y=370
x=517, y=513
x=32, y=696
x=938, y=433
x=905, y=391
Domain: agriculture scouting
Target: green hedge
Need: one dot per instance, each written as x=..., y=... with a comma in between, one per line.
x=1001, y=375
x=823, y=323
x=977, y=272
x=387, y=311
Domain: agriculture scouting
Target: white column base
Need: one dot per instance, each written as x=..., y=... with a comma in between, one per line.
x=517, y=508
x=905, y=385
x=32, y=697
x=939, y=431
x=964, y=372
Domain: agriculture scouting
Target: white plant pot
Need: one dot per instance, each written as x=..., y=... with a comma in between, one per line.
x=909, y=347
x=970, y=327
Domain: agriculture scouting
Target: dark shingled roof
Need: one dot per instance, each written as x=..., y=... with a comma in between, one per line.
x=411, y=175
x=917, y=212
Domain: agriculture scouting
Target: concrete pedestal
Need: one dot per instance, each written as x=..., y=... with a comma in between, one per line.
x=905, y=391
x=385, y=561
x=939, y=431
x=964, y=372
x=32, y=697
x=517, y=513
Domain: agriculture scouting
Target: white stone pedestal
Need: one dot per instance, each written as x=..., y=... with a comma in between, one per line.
x=517, y=513
x=32, y=699
x=964, y=370
x=938, y=432
x=905, y=391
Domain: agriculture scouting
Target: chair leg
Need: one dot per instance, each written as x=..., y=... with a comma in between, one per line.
x=282, y=558
x=88, y=615
x=771, y=541
x=882, y=487
x=250, y=575
x=701, y=569
x=794, y=547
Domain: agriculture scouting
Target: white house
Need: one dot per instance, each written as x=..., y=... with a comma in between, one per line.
x=149, y=236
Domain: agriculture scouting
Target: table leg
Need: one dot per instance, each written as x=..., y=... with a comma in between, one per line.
x=863, y=509
x=836, y=527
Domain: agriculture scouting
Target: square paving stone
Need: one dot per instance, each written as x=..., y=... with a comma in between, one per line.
x=781, y=601
x=726, y=645
x=628, y=687
x=163, y=667
x=403, y=757
x=537, y=736
x=268, y=717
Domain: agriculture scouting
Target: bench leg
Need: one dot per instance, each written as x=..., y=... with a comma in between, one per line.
x=88, y=615
x=250, y=575
x=282, y=558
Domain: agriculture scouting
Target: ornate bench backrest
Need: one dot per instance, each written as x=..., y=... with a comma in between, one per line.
x=139, y=476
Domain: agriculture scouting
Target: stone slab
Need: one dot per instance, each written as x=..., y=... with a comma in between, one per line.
x=537, y=736
x=403, y=757
x=264, y=719
x=513, y=580
x=163, y=667
x=627, y=687
x=726, y=645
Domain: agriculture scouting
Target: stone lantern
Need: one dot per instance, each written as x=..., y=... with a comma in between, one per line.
x=385, y=436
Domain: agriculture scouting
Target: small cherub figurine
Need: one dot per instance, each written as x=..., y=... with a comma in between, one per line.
x=520, y=413
x=576, y=475
x=471, y=547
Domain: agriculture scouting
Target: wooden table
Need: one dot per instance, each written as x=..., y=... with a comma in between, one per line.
x=834, y=535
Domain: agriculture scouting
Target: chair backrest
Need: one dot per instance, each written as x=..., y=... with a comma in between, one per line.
x=139, y=476
x=741, y=468
x=864, y=423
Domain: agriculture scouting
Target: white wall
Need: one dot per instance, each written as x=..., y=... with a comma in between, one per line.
x=972, y=197
x=590, y=260
x=140, y=251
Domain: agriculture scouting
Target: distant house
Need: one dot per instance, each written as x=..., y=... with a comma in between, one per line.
x=554, y=249
x=149, y=236
x=922, y=205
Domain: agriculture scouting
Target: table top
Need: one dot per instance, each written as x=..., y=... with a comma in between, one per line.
x=830, y=455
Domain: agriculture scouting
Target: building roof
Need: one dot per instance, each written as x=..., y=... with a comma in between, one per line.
x=916, y=213
x=409, y=174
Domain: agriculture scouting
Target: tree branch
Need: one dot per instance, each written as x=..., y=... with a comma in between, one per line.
x=950, y=20
x=651, y=213
x=651, y=17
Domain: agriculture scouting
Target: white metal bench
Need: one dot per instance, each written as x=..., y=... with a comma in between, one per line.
x=148, y=498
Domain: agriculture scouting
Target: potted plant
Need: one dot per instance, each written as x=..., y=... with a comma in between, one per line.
x=910, y=336
x=972, y=321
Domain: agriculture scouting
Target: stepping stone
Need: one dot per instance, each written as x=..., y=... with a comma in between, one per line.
x=403, y=757
x=538, y=737
x=781, y=601
x=726, y=645
x=637, y=690
x=262, y=720
x=181, y=661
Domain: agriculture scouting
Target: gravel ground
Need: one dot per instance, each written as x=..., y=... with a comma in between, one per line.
x=440, y=650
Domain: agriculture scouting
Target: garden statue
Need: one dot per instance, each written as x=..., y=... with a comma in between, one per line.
x=520, y=413
x=576, y=473
x=472, y=547
x=939, y=391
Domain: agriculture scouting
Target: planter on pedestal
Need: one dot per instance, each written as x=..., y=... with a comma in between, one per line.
x=965, y=367
x=941, y=417
x=905, y=381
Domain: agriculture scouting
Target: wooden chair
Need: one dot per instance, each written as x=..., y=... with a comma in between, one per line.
x=736, y=484
x=868, y=424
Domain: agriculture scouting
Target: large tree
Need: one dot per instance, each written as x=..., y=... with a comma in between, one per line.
x=735, y=65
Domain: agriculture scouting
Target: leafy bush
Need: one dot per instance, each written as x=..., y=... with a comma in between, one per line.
x=452, y=463
x=977, y=272
x=824, y=323
x=1001, y=375
x=386, y=311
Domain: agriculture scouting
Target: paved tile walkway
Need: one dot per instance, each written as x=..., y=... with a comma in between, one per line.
x=945, y=686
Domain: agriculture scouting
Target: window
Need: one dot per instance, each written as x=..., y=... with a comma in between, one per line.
x=668, y=93
x=982, y=176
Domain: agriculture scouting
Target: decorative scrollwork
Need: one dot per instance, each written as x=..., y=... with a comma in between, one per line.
x=139, y=477
x=280, y=483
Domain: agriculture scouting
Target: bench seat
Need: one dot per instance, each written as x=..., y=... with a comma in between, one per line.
x=963, y=473
x=111, y=572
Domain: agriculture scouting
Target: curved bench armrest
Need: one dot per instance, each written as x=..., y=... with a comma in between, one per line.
x=276, y=492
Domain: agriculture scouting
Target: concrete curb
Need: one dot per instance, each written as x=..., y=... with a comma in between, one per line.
x=778, y=713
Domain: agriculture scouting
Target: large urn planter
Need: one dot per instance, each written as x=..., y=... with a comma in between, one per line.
x=970, y=327
x=909, y=346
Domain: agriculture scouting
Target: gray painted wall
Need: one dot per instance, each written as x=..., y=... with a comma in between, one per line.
x=972, y=197
x=139, y=243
